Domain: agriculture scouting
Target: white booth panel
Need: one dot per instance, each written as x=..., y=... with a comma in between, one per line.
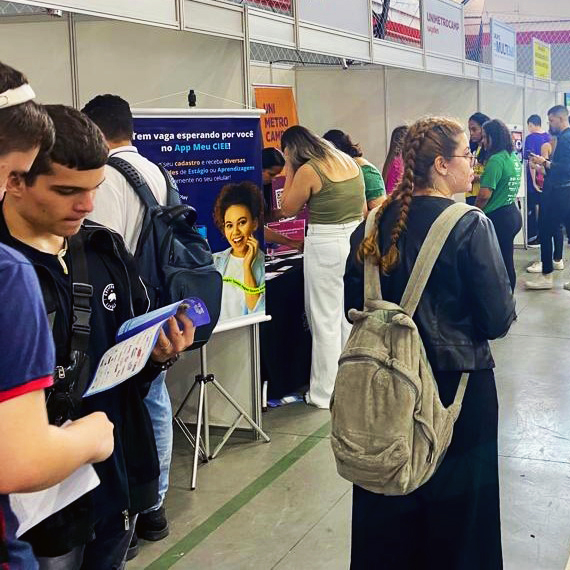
x=265, y=74
x=443, y=65
x=389, y=53
x=210, y=17
x=413, y=94
x=153, y=67
x=501, y=101
x=320, y=40
x=268, y=28
x=351, y=100
x=158, y=12
x=538, y=103
x=41, y=51
x=471, y=70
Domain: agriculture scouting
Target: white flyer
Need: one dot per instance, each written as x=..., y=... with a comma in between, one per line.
x=124, y=360
x=32, y=508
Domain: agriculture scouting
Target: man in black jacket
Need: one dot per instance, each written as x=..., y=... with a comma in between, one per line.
x=43, y=217
x=555, y=202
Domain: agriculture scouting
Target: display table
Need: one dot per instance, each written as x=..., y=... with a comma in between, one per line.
x=285, y=341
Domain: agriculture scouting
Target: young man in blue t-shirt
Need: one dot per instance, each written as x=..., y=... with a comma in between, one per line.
x=533, y=144
x=33, y=454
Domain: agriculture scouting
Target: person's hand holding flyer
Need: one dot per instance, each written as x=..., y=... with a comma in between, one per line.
x=142, y=336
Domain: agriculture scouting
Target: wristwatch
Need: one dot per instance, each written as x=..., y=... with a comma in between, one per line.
x=164, y=365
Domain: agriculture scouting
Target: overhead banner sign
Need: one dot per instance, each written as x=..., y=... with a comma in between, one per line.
x=443, y=30
x=503, y=47
x=346, y=15
x=280, y=112
x=541, y=57
x=205, y=152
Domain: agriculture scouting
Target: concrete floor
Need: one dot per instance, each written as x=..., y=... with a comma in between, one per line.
x=282, y=506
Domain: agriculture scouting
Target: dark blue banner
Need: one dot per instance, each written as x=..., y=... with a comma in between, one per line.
x=204, y=156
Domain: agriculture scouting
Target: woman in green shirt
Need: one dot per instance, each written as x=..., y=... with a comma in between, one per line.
x=373, y=181
x=500, y=184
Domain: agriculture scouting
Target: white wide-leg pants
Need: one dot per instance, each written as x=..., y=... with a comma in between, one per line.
x=326, y=249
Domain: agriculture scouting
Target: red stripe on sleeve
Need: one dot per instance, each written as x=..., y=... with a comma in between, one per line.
x=38, y=384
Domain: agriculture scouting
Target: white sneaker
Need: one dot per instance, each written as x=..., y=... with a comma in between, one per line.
x=567, y=286
x=535, y=267
x=540, y=282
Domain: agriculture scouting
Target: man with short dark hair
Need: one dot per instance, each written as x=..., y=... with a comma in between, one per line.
x=533, y=144
x=43, y=217
x=118, y=207
x=555, y=206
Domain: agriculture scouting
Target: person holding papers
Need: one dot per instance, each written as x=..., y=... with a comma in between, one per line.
x=90, y=288
x=33, y=455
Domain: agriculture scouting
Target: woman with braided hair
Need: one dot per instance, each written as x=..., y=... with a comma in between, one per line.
x=452, y=522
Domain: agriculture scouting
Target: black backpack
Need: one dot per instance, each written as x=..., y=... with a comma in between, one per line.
x=172, y=258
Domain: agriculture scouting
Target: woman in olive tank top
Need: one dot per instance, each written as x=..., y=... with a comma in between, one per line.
x=331, y=184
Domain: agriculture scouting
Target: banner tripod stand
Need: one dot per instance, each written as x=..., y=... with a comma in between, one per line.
x=203, y=448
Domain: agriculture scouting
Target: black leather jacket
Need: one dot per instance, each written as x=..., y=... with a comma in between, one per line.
x=467, y=300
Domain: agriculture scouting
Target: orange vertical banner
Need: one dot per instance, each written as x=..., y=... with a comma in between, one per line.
x=280, y=112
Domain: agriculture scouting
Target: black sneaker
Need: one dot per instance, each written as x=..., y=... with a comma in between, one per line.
x=153, y=525
x=133, y=550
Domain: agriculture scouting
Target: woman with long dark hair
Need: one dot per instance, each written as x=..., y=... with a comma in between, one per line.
x=394, y=164
x=500, y=185
x=332, y=186
x=373, y=182
x=475, y=124
x=452, y=522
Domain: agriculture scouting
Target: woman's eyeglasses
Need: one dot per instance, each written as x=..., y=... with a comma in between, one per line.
x=470, y=157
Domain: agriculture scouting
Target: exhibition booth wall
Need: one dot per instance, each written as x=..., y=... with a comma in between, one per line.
x=154, y=67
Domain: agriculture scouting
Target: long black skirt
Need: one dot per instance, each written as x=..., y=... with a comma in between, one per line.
x=453, y=521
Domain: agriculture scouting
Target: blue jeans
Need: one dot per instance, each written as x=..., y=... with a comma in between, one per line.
x=159, y=408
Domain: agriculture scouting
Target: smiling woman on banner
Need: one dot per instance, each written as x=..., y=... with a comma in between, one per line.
x=237, y=214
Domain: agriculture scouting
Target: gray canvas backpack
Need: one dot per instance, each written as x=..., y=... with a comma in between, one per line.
x=390, y=430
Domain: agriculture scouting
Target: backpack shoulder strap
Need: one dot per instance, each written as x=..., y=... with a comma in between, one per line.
x=429, y=252
x=135, y=179
x=372, y=287
x=172, y=192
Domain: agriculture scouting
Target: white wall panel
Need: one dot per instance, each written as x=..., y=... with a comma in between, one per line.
x=504, y=102
x=320, y=40
x=438, y=64
x=539, y=102
x=41, y=51
x=213, y=18
x=388, y=53
x=141, y=63
x=159, y=12
x=413, y=94
x=268, y=28
x=351, y=100
x=264, y=74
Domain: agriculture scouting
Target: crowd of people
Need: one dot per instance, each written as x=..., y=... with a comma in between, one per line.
x=70, y=222
x=72, y=283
